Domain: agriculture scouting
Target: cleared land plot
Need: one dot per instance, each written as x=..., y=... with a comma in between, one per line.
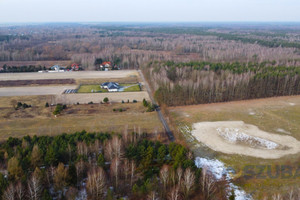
x=69, y=75
x=40, y=90
x=39, y=120
x=98, y=97
x=236, y=137
x=280, y=116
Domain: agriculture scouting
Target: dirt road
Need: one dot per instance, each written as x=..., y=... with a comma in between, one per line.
x=160, y=115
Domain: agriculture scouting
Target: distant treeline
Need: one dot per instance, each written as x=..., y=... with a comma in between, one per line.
x=204, y=82
x=12, y=37
x=226, y=36
x=30, y=68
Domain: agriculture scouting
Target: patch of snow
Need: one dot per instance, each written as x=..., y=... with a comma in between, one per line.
x=251, y=113
x=218, y=169
x=280, y=130
x=235, y=135
x=292, y=104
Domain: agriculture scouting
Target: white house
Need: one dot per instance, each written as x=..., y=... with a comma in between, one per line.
x=111, y=86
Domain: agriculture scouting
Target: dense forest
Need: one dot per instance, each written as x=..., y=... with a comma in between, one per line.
x=132, y=45
x=102, y=166
x=205, y=82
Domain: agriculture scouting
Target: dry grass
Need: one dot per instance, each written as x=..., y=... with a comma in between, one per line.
x=279, y=115
x=96, y=117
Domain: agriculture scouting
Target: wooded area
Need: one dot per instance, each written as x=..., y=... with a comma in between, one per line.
x=102, y=166
x=130, y=46
x=205, y=82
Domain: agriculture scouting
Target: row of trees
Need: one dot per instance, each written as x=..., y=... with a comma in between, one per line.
x=102, y=166
x=204, y=82
x=30, y=68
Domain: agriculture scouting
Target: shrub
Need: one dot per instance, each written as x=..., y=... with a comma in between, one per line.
x=47, y=105
x=90, y=102
x=134, y=101
x=105, y=100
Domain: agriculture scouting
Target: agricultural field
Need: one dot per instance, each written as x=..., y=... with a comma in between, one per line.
x=39, y=120
x=262, y=132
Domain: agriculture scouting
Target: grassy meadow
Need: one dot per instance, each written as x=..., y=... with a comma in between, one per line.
x=39, y=120
x=279, y=115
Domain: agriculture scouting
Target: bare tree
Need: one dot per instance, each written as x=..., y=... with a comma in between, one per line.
x=20, y=191
x=117, y=146
x=35, y=185
x=9, y=193
x=108, y=152
x=82, y=148
x=132, y=172
x=115, y=169
x=96, y=183
x=179, y=173
x=277, y=197
x=80, y=169
x=175, y=193
x=152, y=196
x=207, y=184
x=164, y=175
x=188, y=181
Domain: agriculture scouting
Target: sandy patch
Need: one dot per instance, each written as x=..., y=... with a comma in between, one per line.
x=236, y=137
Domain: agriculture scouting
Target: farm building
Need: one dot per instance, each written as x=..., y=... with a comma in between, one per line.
x=57, y=68
x=105, y=66
x=111, y=86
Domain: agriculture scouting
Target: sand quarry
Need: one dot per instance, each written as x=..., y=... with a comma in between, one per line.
x=236, y=137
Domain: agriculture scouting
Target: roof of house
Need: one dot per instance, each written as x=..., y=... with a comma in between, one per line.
x=111, y=85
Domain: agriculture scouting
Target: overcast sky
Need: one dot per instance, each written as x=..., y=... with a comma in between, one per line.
x=149, y=10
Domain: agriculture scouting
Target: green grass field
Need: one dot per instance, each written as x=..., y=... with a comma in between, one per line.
x=96, y=88
x=90, y=88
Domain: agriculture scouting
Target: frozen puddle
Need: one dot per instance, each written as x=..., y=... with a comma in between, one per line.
x=218, y=169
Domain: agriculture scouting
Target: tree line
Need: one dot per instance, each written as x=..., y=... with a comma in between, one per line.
x=205, y=82
x=102, y=166
x=14, y=69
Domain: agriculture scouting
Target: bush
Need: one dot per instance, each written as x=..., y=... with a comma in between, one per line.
x=134, y=101
x=105, y=100
x=123, y=101
x=59, y=108
x=47, y=105
x=90, y=102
